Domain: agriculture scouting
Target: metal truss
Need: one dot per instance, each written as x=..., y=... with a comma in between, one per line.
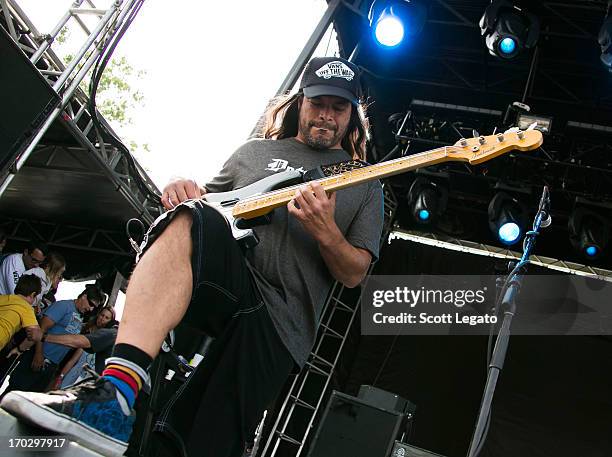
x=84, y=239
x=452, y=66
x=457, y=18
x=308, y=389
x=113, y=163
x=457, y=66
x=310, y=46
x=65, y=80
x=472, y=247
x=574, y=164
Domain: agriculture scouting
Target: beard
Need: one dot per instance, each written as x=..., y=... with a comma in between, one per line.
x=317, y=141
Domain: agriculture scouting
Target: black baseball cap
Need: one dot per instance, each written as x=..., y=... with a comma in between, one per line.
x=331, y=76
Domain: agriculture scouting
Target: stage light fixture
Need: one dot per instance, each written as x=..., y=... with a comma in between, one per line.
x=508, y=29
x=543, y=123
x=427, y=200
x=589, y=232
x=507, y=46
x=605, y=39
x=507, y=218
x=389, y=30
x=392, y=20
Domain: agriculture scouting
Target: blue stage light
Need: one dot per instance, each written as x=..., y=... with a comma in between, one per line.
x=389, y=30
x=427, y=200
x=507, y=45
x=589, y=229
x=605, y=41
x=424, y=215
x=392, y=20
x=507, y=217
x=509, y=233
x=508, y=30
x=591, y=251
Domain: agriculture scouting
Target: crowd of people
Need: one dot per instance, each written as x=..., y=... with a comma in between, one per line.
x=47, y=343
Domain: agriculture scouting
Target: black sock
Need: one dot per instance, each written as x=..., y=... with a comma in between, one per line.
x=133, y=354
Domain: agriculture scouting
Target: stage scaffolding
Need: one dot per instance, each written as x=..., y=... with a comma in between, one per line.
x=308, y=389
x=65, y=80
x=472, y=247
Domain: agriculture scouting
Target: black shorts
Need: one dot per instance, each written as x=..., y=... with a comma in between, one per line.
x=222, y=402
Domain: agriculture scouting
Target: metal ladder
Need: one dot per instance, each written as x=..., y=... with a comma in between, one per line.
x=308, y=389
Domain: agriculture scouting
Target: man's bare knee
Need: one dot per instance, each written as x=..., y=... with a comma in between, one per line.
x=175, y=238
x=181, y=222
x=166, y=261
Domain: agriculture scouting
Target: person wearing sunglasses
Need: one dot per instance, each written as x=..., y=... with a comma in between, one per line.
x=12, y=266
x=64, y=317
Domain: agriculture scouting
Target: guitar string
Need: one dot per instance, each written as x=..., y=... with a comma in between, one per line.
x=346, y=175
x=330, y=180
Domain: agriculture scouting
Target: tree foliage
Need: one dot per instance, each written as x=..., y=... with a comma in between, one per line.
x=117, y=96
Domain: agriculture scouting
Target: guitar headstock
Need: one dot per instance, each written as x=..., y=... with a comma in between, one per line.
x=483, y=148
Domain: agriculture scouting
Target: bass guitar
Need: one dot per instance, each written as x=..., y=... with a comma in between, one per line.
x=244, y=208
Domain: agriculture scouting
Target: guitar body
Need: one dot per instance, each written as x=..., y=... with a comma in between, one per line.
x=224, y=203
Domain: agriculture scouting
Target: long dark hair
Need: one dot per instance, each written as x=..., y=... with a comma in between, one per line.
x=281, y=120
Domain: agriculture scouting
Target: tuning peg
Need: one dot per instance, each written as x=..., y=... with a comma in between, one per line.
x=532, y=126
x=475, y=133
x=512, y=130
x=463, y=142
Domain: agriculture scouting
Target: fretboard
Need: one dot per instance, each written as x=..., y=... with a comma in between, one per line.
x=263, y=204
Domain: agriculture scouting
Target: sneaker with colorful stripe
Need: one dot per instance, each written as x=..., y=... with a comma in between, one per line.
x=91, y=413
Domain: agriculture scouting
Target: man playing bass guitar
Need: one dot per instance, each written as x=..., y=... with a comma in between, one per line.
x=263, y=305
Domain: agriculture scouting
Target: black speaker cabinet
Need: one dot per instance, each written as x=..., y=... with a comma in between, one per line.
x=386, y=400
x=405, y=450
x=26, y=100
x=351, y=427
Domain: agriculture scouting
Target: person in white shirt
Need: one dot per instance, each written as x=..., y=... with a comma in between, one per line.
x=50, y=274
x=14, y=265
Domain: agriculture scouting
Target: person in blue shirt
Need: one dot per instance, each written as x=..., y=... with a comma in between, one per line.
x=37, y=366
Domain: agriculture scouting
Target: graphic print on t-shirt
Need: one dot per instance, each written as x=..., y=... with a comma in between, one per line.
x=75, y=324
x=281, y=165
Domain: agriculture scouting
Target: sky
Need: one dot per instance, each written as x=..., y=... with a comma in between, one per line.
x=210, y=68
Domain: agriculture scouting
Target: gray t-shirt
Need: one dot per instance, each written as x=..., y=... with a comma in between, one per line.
x=102, y=341
x=287, y=265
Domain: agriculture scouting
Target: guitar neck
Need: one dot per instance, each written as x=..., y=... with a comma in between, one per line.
x=263, y=204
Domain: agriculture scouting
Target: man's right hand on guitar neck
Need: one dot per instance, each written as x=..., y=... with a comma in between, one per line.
x=180, y=189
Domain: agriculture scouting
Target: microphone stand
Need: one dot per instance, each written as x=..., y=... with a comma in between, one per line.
x=508, y=306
